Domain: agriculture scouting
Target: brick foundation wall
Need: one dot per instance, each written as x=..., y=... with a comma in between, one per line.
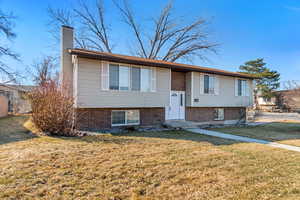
x=199, y=114
x=100, y=118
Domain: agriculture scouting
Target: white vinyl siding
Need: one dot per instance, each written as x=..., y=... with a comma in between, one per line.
x=224, y=89
x=94, y=92
x=125, y=117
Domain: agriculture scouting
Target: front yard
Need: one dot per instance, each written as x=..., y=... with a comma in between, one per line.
x=158, y=165
x=281, y=132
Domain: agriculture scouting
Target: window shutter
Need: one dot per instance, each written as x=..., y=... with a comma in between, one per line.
x=153, y=79
x=201, y=84
x=104, y=76
x=217, y=85
x=211, y=85
x=236, y=87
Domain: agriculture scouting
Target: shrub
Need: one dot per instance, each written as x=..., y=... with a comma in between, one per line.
x=53, y=109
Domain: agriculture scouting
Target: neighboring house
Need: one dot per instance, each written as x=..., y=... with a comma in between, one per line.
x=282, y=101
x=288, y=100
x=116, y=90
x=3, y=106
x=266, y=104
x=16, y=95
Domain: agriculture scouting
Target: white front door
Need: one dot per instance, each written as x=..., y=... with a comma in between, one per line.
x=176, y=109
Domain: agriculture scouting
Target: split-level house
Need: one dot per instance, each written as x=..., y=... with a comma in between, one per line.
x=117, y=90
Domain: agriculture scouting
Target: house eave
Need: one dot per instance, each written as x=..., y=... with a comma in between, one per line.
x=153, y=63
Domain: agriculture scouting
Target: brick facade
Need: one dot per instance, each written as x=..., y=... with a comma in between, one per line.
x=100, y=118
x=178, y=81
x=199, y=114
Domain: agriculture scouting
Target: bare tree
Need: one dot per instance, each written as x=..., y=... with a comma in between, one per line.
x=44, y=70
x=92, y=30
x=169, y=38
x=6, y=32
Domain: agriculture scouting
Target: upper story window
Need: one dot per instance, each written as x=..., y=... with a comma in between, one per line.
x=209, y=84
x=241, y=87
x=145, y=77
x=135, y=78
x=113, y=77
x=130, y=78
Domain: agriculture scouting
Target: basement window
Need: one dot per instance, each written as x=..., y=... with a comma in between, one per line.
x=125, y=117
x=219, y=114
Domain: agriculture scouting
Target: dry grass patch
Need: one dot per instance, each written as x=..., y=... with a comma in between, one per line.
x=158, y=165
x=12, y=129
x=282, y=132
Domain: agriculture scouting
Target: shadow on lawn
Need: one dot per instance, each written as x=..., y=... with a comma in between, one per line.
x=12, y=129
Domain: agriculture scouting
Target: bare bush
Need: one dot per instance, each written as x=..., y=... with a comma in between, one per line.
x=53, y=110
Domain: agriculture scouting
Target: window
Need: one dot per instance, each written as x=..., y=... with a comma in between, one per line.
x=118, y=117
x=242, y=87
x=133, y=117
x=209, y=82
x=267, y=99
x=113, y=77
x=145, y=77
x=219, y=114
x=124, y=77
x=130, y=78
x=125, y=117
x=135, y=78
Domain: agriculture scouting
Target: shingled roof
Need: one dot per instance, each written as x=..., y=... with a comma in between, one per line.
x=151, y=62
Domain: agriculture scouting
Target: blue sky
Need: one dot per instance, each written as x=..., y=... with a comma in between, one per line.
x=245, y=30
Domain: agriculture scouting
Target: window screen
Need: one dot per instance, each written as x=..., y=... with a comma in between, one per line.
x=125, y=117
x=145, y=79
x=219, y=114
x=118, y=117
x=206, y=84
x=113, y=77
x=136, y=78
x=124, y=77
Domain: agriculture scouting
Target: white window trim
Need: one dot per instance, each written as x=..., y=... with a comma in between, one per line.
x=223, y=117
x=216, y=84
x=245, y=90
x=126, y=124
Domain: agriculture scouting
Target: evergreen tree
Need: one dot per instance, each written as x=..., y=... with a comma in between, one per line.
x=268, y=80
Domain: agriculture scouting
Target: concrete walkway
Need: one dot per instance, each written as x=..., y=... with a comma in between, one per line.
x=242, y=138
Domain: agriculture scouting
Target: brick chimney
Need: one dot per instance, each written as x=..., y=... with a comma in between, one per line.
x=66, y=74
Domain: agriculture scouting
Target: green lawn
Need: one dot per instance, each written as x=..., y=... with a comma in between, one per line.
x=281, y=132
x=158, y=165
